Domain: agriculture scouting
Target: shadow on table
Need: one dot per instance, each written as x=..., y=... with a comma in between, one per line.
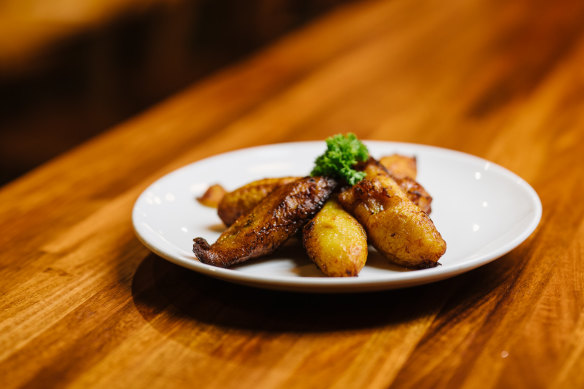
x=166, y=293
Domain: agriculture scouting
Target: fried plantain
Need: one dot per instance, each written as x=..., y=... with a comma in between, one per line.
x=414, y=190
x=400, y=166
x=395, y=226
x=243, y=199
x=335, y=241
x=416, y=193
x=269, y=224
x=212, y=196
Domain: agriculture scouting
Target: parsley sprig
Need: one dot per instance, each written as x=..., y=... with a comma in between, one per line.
x=342, y=154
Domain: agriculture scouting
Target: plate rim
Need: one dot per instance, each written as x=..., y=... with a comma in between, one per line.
x=344, y=284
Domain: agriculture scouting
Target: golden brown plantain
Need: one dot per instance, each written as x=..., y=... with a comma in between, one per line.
x=416, y=193
x=212, y=196
x=335, y=241
x=414, y=190
x=396, y=227
x=261, y=231
x=400, y=166
x=243, y=199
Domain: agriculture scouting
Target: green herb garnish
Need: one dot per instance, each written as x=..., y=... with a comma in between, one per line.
x=342, y=154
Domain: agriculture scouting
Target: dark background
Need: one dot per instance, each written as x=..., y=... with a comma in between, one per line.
x=64, y=81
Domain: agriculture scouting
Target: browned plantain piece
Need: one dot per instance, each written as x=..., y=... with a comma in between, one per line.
x=243, y=199
x=416, y=193
x=261, y=231
x=414, y=190
x=212, y=196
x=395, y=226
x=400, y=166
x=335, y=241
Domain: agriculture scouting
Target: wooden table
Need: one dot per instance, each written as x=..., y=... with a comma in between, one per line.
x=84, y=304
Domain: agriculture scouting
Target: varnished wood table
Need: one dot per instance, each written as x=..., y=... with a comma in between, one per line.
x=85, y=304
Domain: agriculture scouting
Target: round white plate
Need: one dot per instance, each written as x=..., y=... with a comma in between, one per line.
x=482, y=210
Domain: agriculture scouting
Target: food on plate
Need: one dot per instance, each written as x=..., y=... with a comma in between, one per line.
x=395, y=226
x=212, y=196
x=243, y=199
x=269, y=224
x=413, y=190
x=342, y=154
x=416, y=193
x=335, y=241
x=404, y=171
x=349, y=200
x=400, y=166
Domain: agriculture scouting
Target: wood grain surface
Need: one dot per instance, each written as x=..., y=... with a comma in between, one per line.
x=84, y=304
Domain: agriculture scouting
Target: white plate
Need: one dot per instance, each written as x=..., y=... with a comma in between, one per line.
x=482, y=210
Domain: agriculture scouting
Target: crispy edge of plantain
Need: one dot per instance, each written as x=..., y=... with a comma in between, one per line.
x=269, y=224
x=412, y=188
x=243, y=199
x=212, y=196
x=400, y=166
